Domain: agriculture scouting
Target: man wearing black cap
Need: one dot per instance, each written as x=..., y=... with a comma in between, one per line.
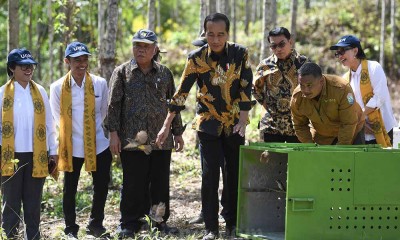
x=139, y=92
x=223, y=75
x=275, y=80
x=27, y=133
x=79, y=105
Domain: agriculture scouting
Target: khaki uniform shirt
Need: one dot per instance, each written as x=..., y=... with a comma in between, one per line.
x=335, y=114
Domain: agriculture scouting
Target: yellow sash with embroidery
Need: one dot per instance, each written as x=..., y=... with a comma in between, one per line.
x=375, y=118
x=39, y=132
x=89, y=125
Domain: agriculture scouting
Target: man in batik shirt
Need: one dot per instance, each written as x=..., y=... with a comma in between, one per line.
x=275, y=80
x=224, y=79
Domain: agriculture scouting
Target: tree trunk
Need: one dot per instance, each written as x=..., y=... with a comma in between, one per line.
x=101, y=27
x=13, y=25
x=233, y=20
x=382, y=45
x=253, y=15
x=107, y=53
x=212, y=5
x=293, y=12
x=203, y=14
x=51, y=38
x=151, y=15
x=393, y=36
x=307, y=4
x=274, y=13
x=265, y=24
x=247, y=17
x=158, y=9
x=30, y=25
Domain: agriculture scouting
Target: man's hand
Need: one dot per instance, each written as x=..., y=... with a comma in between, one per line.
x=115, y=143
x=178, y=143
x=162, y=136
x=241, y=126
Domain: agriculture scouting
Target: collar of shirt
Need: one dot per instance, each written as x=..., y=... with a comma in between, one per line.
x=73, y=82
x=211, y=54
x=357, y=73
x=133, y=65
x=16, y=84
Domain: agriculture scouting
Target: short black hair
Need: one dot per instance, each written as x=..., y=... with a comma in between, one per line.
x=215, y=17
x=310, y=68
x=11, y=65
x=279, y=31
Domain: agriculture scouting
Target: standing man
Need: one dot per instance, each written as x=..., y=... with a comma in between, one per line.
x=139, y=92
x=275, y=80
x=79, y=105
x=324, y=109
x=224, y=78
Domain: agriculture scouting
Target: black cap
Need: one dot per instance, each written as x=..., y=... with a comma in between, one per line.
x=76, y=49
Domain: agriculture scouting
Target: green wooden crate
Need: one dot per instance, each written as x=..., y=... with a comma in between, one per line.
x=319, y=192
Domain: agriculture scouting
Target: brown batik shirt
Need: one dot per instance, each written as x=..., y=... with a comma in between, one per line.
x=138, y=101
x=275, y=80
x=224, y=88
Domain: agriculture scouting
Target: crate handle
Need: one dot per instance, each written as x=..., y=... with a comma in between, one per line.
x=302, y=204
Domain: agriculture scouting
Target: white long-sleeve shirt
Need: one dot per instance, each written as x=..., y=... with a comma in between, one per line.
x=78, y=94
x=381, y=98
x=24, y=119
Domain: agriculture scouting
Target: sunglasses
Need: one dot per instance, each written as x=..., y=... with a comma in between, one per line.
x=25, y=67
x=342, y=51
x=282, y=44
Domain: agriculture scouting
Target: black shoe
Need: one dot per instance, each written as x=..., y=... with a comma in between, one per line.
x=97, y=231
x=164, y=228
x=197, y=220
x=125, y=233
x=230, y=232
x=210, y=235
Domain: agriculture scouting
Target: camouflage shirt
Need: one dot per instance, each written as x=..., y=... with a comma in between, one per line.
x=224, y=88
x=138, y=101
x=275, y=81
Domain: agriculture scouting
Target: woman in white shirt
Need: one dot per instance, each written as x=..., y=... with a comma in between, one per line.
x=369, y=84
x=28, y=136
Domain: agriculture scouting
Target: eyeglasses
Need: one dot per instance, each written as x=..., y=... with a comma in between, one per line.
x=342, y=51
x=282, y=44
x=25, y=67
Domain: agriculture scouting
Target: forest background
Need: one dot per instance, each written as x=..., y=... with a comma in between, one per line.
x=45, y=27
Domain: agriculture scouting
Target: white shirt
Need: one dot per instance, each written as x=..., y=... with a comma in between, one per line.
x=24, y=119
x=381, y=98
x=78, y=94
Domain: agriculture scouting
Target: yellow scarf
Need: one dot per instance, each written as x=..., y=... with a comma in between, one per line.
x=89, y=125
x=375, y=117
x=39, y=132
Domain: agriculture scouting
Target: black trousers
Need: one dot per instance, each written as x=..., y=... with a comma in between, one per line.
x=280, y=138
x=25, y=189
x=101, y=178
x=145, y=183
x=213, y=149
x=390, y=133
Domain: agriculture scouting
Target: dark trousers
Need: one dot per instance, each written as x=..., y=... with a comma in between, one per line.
x=145, y=183
x=22, y=187
x=213, y=149
x=280, y=138
x=390, y=133
x=101, y=178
